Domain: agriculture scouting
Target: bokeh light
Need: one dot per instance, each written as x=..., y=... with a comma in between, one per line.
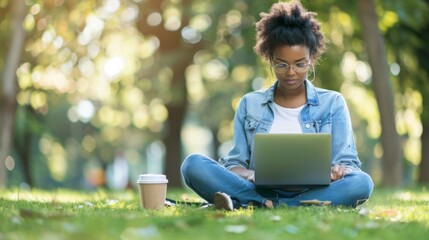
x=85, y=110
x=114, y=66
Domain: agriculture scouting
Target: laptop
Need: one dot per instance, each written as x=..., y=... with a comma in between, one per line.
x=292, y=160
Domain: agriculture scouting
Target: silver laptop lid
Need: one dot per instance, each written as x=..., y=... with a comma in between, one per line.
x=292, y=159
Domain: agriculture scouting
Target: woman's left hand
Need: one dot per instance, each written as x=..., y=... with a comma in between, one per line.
x=338, y=171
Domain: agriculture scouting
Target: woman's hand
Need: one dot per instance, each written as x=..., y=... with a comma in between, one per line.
x=247, y=174
x=338, y=171
x=251, y=176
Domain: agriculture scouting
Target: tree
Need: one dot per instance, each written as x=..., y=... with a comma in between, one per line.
x=176, y=55
x=408, y=39
x=60, y=37
x=8, y=94
x=392, y=154
x=422, y=53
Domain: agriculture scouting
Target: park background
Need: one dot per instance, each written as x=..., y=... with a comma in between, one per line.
x=93, y=93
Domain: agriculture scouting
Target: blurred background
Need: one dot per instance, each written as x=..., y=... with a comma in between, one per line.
x=95, y=92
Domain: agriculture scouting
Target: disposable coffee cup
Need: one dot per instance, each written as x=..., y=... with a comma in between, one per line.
x=153, y=190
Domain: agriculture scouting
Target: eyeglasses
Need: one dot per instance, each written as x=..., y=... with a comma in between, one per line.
x=300, y=67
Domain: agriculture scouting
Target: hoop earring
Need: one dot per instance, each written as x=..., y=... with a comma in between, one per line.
x=313, y=70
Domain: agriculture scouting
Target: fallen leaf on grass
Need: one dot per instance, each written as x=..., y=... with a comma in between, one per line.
x=324, y=227
x=344, y=210
x=275, y=218
x=236, y=228
x=15, y=220
x=71, y=227
x=148, y=232
x=219, y=215
x=292, y=229
x=392, y=214
x=181, y=224
x=349, y=233
x=363, y=212
x=111, y=202
x=368, y=225
x=28, y=213
x=87, y=204
x=388, y=213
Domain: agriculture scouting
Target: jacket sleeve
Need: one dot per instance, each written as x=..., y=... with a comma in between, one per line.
x=343, y=144
x=239, y=154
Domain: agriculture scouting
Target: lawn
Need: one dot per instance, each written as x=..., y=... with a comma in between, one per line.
x=65, y=214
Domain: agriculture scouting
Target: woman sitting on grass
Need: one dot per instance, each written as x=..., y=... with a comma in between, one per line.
x=289, y=38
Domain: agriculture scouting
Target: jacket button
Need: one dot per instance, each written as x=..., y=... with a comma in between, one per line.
x=307, y=125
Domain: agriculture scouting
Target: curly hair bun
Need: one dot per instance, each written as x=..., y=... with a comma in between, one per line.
x=288, y=24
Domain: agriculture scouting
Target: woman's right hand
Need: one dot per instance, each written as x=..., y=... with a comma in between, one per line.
x=247, y=174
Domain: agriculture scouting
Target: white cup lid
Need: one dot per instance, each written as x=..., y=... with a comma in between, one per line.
x=152, y=178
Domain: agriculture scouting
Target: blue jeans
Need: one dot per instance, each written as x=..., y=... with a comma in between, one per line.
x=206, y=177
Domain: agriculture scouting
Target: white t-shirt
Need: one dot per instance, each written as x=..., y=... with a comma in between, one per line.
x=286, y=120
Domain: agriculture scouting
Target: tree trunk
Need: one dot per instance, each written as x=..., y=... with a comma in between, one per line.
x=216, y=143
x=392, y=150
x=172, y=141
x=422, y=53
x=176, y=115
x=26, y=158
x=424, y=164
x=423, y=177
x=8, y=95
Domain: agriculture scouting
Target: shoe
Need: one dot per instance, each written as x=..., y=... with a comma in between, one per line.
x=223, y=201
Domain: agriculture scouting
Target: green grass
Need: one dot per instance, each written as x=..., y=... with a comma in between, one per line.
x=64, y=214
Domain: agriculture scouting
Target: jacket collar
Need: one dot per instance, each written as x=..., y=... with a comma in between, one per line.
x=312, y=97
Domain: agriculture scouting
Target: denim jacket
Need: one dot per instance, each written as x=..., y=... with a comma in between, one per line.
x=325, y=112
